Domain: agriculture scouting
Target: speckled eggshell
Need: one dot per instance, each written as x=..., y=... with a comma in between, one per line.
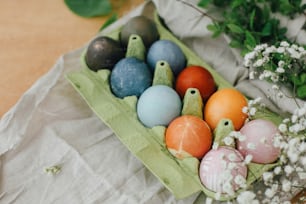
x=158, y=105
x=259, y=135
x=220, y=167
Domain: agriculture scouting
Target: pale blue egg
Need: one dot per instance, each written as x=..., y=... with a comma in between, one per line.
x=158, y=105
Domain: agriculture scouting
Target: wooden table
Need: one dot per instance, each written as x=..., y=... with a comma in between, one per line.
x=34, y=34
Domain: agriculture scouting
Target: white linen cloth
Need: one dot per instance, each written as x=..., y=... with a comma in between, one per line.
x=51, y=125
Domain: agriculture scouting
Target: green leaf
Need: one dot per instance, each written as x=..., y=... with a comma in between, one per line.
x=204, y=3
x=235, y=28
x=250, y=41
x=252, y=17
x=89, y=8
x=301, y=91
x=109, y=21
x=235, y=44
x=215, y=29
x=267, y=29
x=236, y=3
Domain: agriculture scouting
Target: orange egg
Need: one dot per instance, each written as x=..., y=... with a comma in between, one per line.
x=225, y=103
x=188, y=136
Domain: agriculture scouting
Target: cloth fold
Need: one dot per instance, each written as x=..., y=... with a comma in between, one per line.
x=52, y=126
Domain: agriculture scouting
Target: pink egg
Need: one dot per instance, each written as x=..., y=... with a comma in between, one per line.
x=221, y=170
x=259, y=135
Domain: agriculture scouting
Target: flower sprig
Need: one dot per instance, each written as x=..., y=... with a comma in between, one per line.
x=283, y=64
x=289, y=176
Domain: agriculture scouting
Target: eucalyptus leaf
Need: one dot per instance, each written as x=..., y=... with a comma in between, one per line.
x=89, y=8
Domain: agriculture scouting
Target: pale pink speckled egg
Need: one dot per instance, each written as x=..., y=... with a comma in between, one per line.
x=219, y=168
x=259, y=135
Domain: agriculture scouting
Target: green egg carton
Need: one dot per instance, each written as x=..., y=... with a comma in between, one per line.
x=180, y=176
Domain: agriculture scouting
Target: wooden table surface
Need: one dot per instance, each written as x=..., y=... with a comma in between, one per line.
x=34, y=34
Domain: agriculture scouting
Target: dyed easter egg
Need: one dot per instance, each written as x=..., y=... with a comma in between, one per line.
x=195, y=77
x=141, y=26
x=225, y=103
x=103, y=53
x=129, y=77
x=259, y=135
x=158, y=105
x=188, y=136
x=168, y=51
x=222, y=169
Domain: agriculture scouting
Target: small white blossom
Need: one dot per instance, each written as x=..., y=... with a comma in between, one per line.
x=217, y=196
x=286, y=185
x=240, y=180
x=252, y=111
x=248, y=159
x=288, y=169
x=281, y=63
x=228, y=140
x=247, y=197
x=251, y=146
x=277, y=170
x=267, y=176
x=270, y=192
x=215, y=145
x=282, y=128
x=232, y=157
x=280, y=70
x=208, y=200
x=284, y=44
x=228, y=188
x=280, y=50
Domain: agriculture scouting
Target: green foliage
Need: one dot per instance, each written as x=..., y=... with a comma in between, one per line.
x=249, y=23
x=109, y=21
x=89, y=8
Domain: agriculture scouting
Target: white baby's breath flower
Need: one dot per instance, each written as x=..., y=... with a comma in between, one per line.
x=280, y=70
x=275, y=87
x=208, y=200
x=217, y=195
x=259, y=63
x=251, y=146
x=232, y=157
x=247, y=197
x=240, y=180
x=248, y=159
x=277, y=170
x=215, y=145
x=252, y=111
x=267, y=176
x=288, y=170
x=270, y=192
x=252, y=75
x=284, y=44
x=228, y=140
x=228, y=188
x=282, y=128
x=286, y=185
x=281, y=63
x=245, y=109
x=294, y=118
x=280, y=50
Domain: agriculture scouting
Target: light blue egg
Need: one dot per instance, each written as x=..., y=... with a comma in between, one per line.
x=168, y=51
x=158, y=105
